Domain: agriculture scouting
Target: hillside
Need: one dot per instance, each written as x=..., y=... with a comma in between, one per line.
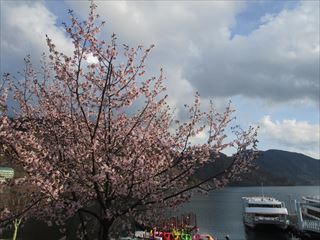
x=297, y=168
x=274, y=168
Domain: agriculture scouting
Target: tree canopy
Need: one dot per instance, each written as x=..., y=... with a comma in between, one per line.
x=87, y=154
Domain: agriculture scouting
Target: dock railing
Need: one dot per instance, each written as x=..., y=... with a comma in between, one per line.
x=306, y=224
x=311, y=225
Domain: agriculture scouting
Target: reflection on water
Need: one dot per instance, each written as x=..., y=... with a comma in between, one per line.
x=266, y=233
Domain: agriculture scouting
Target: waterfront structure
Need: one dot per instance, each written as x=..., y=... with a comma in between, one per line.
x=264, y=211
x=6, y=173
x=308, y=215
x=311, y=209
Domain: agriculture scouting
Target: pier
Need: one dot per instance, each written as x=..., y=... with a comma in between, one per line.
x=303, y=228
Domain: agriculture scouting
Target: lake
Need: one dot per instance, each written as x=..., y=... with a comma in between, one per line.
x=220, y=212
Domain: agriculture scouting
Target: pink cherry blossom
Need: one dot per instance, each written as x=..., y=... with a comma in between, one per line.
x=80, y=144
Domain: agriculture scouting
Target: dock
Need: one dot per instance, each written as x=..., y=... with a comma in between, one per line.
x=301, y=227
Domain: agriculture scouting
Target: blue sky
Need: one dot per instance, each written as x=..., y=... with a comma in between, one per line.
x=262, y=55
x=250, y=18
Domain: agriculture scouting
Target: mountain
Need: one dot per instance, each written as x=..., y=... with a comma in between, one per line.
x=274, y=168
x=297, y=168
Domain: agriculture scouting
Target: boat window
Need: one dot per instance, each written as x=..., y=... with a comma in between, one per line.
x=313, y=212
x=270, y=216
x=264, y=205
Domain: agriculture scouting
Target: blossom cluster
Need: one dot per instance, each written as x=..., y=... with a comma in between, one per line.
x=83, y=147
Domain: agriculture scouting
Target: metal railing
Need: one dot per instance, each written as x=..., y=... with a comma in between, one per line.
x=306, y=224
x=311, y=225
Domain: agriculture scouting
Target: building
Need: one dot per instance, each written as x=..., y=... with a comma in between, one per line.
x=6, y=173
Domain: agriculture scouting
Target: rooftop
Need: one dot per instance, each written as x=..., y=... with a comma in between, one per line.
x=262, y=200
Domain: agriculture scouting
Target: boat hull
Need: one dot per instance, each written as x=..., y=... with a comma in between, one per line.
x=262, y=225
x=249, y=221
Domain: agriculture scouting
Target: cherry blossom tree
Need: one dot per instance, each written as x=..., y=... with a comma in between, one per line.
x=88, y=155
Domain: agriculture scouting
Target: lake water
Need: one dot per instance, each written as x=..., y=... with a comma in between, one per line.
x=220, y=212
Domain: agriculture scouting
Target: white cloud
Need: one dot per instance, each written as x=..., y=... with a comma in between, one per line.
x=291, y=134
x=200, y=138
x=91, y=59
x=181, y=32
x=279, y=61
x=24, y=26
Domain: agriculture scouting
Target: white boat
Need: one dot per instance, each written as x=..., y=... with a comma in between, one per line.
x=311, y=208
x=264, y=211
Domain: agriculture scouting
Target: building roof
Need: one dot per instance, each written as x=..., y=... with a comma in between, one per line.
x=6, y=169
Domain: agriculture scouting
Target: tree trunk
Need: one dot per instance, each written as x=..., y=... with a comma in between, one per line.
x=16, y=223
x=106, y=225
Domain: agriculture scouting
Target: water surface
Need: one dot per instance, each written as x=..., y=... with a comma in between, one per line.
x=220, y=212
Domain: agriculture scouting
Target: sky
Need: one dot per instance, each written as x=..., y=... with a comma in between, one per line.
x=261, y=55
